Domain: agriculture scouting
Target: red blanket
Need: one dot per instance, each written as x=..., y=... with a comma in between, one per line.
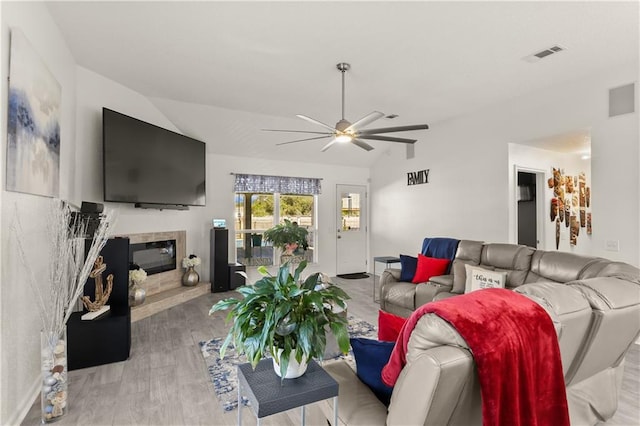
x=516, y=351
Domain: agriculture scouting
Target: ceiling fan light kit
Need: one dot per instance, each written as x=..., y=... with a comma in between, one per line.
x=347, y=132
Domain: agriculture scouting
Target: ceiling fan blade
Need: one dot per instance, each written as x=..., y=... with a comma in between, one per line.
x=302, y=140
x=319, y=123
x=327, y=146
x=367, y=119
x=387, y=139
x=361, y=144
x=394, y=129
x=296, y=131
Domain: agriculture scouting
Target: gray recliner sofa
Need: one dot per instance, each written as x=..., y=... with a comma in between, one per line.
x=593, y=302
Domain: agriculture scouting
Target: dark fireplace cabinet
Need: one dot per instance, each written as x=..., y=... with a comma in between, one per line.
x=105, y=339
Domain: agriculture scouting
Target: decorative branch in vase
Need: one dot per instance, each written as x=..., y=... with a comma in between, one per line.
x=57, y=292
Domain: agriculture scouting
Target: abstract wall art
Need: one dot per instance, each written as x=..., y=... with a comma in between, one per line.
x=33, y=126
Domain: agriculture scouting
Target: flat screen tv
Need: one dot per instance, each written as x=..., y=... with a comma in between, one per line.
x=149, y=165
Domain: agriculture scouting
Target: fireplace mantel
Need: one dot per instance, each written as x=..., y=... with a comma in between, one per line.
x=165, y=289
x=167, y=280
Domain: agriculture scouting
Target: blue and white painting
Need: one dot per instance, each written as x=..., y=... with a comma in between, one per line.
x=33, y=127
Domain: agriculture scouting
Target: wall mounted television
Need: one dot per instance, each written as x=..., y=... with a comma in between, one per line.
x=150, y=166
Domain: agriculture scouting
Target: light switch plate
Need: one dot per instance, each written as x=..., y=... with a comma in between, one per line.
x=612, y=245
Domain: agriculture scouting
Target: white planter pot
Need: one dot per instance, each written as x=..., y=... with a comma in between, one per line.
x=294, y=369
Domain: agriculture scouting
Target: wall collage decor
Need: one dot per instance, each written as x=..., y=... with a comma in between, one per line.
x=570, y=204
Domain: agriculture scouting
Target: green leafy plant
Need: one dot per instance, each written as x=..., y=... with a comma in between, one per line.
x=284, y=312
x=287, y=236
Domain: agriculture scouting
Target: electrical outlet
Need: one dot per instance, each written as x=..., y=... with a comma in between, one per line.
x=612, y=245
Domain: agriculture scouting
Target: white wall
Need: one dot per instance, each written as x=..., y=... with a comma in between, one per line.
x=221, y=195
x=90, y=92
x=540, y=159
x=468, y=194
x=20, y=334
x=95, y=92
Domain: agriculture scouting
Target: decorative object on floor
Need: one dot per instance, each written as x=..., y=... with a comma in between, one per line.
x=292, y=314
x=190, y=277
x=33, y=126
x=346, y=132
x=570, y=204
x=53, y=400
x=222, y=371
x=137, y=276
x=98, y=306
x=57, y=292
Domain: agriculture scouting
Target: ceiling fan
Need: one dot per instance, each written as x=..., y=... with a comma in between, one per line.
x=346, y=132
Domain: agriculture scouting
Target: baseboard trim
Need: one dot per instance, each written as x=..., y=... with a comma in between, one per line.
x=17, y=417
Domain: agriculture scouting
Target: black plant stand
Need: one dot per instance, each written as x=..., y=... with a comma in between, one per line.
x=108, y=338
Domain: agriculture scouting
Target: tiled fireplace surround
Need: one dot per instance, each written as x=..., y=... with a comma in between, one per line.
x=165, y=289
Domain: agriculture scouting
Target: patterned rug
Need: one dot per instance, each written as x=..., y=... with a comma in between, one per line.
x=223, y=371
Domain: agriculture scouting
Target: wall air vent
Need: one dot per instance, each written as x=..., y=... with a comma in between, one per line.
x=543, y=53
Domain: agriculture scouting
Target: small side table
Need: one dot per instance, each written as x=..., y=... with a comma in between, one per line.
x=268, y=396
x=387, y=260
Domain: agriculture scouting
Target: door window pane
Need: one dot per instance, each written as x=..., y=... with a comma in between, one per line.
x=350, y=211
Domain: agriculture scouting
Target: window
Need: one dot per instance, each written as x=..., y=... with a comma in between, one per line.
x=261, y=202
x=256, y=213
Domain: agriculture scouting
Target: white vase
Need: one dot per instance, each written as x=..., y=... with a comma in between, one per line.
x=294, y=369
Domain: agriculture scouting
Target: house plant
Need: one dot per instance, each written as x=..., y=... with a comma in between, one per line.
x=286, y=317
x=288, y=237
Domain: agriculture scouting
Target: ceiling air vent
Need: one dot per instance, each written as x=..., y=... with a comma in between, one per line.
x=543, y=53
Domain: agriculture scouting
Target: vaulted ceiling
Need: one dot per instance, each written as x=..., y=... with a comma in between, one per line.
x=424, y=61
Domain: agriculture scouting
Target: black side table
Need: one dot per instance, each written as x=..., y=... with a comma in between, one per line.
x=387, y=260
x=268, y=396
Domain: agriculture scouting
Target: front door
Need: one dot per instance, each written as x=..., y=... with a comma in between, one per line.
x=351, y=235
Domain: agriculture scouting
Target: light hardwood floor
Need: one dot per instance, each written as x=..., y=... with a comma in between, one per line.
x=165, y=381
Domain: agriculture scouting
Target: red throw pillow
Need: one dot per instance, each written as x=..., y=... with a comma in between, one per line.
x=429, y=267
x=389, y=326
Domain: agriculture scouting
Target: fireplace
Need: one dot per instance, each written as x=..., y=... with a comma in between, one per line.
x=160, y=254
x=155, y=256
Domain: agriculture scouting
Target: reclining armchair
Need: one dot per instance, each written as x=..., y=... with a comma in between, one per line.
x=596, y=320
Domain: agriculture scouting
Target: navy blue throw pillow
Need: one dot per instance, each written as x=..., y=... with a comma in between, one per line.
x=408, y=265
x=371, y=356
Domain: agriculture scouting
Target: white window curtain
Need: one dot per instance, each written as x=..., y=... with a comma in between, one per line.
x=262, y=184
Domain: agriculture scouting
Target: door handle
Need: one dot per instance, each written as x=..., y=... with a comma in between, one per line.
x=339, y=236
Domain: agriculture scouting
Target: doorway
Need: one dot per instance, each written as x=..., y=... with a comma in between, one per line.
x=530, y=206
x=351, y=232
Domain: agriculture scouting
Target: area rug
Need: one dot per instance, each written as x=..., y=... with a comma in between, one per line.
x=223, y=371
